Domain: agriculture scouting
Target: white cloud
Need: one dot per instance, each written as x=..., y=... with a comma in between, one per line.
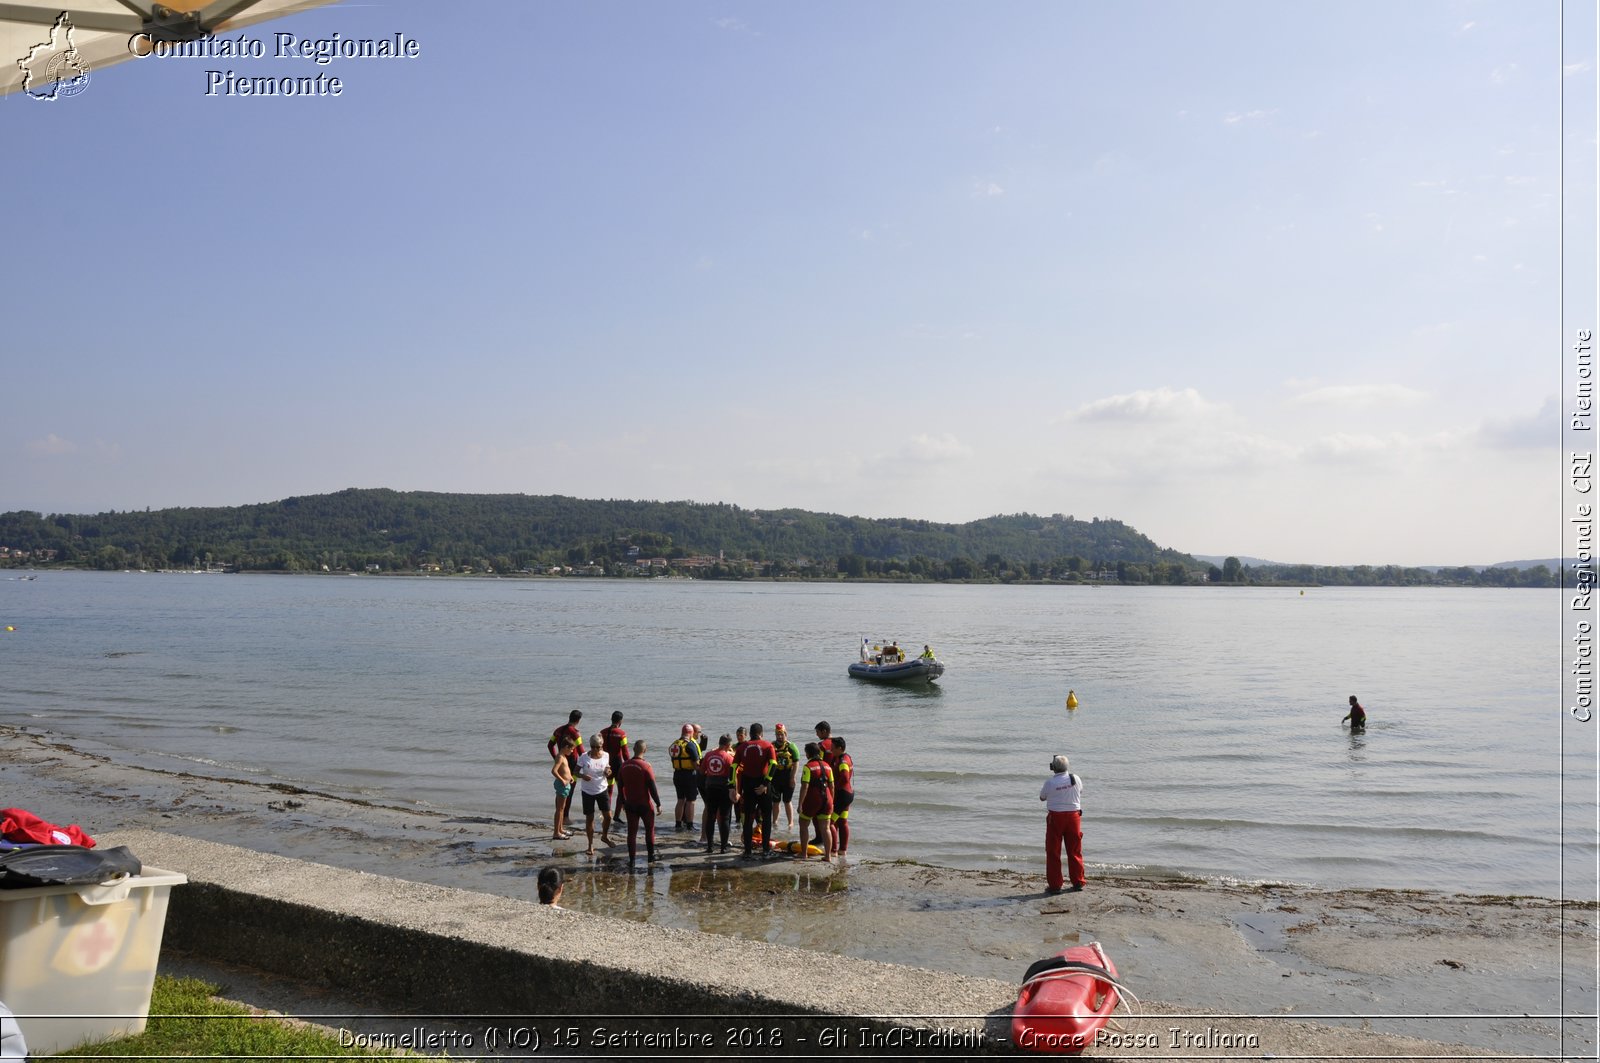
x=1466, y=26
x=1541, y=428
x=1502, y=74
x=925, y=449
x=1237, y=117
x=1158, y=404
x=52, y=444
x=986, y=190
x=1351, y=447
x=1359, y=395
x=1574, y=68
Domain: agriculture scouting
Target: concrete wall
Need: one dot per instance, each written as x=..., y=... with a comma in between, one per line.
x=424, y=949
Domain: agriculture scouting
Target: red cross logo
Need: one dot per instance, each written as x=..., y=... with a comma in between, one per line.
x=95, y=945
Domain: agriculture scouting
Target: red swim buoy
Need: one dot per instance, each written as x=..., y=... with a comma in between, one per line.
x=1064, y=1001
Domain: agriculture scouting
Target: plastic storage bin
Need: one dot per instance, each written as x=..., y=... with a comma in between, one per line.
x=78, y=962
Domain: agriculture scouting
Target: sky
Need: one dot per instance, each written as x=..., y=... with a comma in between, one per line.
x=1276, y=280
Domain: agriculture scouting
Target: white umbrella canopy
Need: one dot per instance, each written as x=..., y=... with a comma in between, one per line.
x=49, y=49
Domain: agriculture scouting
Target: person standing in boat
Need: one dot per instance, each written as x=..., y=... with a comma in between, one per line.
x=1062, y=794
x=1357, y=716
x=593, y=769
x=636, y=787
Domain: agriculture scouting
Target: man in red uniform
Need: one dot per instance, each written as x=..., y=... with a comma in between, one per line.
x=1063, y=797
x=844, y=794
x=824, y=739
x=614, y=740
x=716, y=774
x=741, y=738
x=755, y=766
x=558, y=738
x=816, y=801
x=636, y=782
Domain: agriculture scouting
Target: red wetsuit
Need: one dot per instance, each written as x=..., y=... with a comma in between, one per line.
x=637, y=782
x=566, y=730
x=816, y=782
x=614, y=740
x=755, y=765
x=844, y=795
x=716, y=768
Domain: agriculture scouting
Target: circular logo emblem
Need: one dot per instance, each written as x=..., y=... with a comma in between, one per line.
x=66, y=75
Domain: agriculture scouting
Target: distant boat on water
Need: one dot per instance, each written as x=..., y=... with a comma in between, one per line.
x=888, y=664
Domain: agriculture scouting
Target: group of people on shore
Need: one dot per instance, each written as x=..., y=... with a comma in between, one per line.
x=743, y=778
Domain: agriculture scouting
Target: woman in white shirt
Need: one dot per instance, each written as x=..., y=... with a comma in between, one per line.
x=593, y=768
x=1062, y=794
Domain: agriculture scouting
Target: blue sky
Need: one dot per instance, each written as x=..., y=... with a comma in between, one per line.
x=1279, y=280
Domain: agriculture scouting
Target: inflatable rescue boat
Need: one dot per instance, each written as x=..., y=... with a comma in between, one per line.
x=1064, y=1001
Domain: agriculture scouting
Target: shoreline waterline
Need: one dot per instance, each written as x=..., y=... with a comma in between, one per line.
x=538, y=829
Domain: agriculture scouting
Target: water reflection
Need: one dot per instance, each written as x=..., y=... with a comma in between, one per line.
x=766, y=902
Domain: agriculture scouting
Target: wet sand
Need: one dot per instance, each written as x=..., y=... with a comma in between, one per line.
x=1481, y=971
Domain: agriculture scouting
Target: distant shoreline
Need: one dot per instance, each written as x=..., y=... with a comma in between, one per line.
x=842, y=580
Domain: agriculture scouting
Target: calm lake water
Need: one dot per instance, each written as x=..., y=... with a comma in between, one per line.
x=1208, y=732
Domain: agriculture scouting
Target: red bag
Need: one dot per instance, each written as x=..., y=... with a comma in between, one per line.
x=20, y=825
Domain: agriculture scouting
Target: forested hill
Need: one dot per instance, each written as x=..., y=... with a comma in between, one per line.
x=360, y=529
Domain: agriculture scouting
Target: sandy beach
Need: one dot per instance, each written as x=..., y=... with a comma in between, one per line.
x=1460, y=969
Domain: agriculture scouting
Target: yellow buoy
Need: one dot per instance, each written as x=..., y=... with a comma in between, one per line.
x=1072, y=700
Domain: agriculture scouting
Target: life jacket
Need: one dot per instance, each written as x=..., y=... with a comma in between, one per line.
x=844, y=770
x=819, y=777
x=786, y=756
x=685, y=753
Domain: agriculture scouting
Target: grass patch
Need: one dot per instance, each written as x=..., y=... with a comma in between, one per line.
x=185, y=1022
